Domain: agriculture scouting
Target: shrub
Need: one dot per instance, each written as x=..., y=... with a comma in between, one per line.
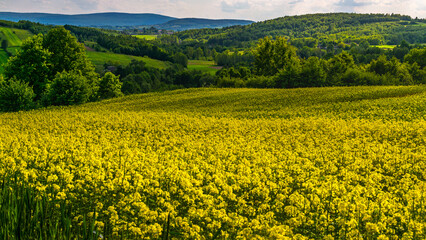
x=15, y=95
x=67, y=88
x=354, y=77
x=260, y=82
x=109, y=86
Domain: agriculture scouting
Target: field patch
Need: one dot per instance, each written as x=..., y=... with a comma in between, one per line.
x=14, y=36
x=204, y=66
x=146, y=37
x=100, y=58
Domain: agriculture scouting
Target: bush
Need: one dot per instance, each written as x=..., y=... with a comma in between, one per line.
x=15, y=95
x=260, y=82
x=68, y=88
x=356, y=77
x=230, y=82
x=109, y=86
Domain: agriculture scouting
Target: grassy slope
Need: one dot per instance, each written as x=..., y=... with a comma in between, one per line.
x=146, y=37
x=14, y=36
x=204, y=66
x=100, y=58
x=371, y=102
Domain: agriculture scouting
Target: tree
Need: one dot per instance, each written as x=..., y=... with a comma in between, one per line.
x=313, y=73
x=263, y=53
x=337, y=66
x=15, y=95
x=273, y=56
x=68, y=88
x=41, y=58
x=181, y=59
x=109, y=86
x=31, y=65
x=67, y=54
x=4, y=44
x=416, y=56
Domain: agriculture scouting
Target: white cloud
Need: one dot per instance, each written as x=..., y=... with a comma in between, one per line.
x=234, y=6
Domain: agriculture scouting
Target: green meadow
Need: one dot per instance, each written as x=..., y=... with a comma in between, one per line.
x=204, y=66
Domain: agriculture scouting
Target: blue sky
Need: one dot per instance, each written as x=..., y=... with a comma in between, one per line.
x=256, y=10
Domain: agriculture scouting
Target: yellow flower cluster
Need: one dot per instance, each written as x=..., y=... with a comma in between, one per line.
x=329, y=163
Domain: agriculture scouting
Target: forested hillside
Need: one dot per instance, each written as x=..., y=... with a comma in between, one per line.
x=337, y=27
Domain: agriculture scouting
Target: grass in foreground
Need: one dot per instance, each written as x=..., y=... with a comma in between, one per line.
x=204, y=66
x=319, y=163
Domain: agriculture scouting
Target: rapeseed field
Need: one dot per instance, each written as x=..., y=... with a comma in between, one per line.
x=324, y=163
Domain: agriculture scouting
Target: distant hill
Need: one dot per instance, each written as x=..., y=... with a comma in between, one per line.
x=197, y=23
x=87, y=20
x=337, y=27
x=119, y=20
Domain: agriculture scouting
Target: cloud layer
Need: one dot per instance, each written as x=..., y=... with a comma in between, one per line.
x=245, y=9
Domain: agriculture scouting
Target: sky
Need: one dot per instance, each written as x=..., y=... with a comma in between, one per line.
x=256, y=10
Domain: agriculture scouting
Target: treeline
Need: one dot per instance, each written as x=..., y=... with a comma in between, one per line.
x=119, y=43
x=138, y=78
x=35, y=28
x=276, y=65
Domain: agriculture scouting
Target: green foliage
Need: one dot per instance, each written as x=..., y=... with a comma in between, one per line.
x=68, y=88
x=100, y=59
x=138, y=83
x=26, y=213
x=67, y=54
x=109, y=86
x=357, y=77
x=313, y=73
x=394, y=71
x=376, y=29
x=416, y=56
x=4, y=44
x=15, y=95
x=42, y=58
x=271, y=56
x=31, y=65
x=181, y=59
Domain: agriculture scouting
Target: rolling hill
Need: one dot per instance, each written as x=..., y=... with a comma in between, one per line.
x=94, y=19
x=197, y=23
x=115, y=20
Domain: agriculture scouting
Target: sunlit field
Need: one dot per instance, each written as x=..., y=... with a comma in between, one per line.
x=317, y=163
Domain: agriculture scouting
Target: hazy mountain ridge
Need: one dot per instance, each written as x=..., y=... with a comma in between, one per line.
x=122, y=20
x=197, y=23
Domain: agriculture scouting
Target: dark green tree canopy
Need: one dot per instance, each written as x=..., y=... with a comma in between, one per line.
x=41, y=58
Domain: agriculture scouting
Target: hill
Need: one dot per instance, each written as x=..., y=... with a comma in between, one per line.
x=120, y=20
x=94, y=19
x=377, y=29
x=197, y=23
x=318, y=163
